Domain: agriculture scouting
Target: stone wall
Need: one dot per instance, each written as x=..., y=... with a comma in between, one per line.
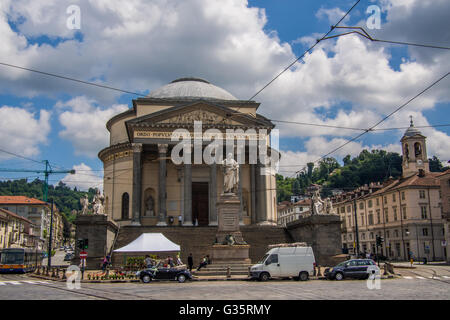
x=199, y=240
x=322, y=233
x=100, y=233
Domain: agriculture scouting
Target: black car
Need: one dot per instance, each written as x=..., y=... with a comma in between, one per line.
x=163, y=273
x=355, y=268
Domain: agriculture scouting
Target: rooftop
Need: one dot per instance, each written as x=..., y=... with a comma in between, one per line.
x=191, y=88
x=19, y=200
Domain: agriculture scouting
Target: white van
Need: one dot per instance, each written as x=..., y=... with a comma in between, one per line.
x=297, y=262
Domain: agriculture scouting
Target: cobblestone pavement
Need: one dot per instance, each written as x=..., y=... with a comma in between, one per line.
x=405, y=287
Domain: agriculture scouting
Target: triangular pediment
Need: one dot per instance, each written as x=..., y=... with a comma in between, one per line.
x=208, y=113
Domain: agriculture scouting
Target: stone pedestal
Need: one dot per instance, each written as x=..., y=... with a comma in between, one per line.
x=322, y=233
x=229, y=245
x=100, y=233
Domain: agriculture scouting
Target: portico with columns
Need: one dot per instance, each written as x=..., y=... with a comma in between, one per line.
x=144, y=186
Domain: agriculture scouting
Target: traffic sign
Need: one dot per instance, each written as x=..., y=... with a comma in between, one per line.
x=83, y=255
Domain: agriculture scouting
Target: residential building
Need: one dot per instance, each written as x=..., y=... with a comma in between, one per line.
x=16, y=231
x=444, y=179
x=406, y=212
x=289, y=212
x=39, y=214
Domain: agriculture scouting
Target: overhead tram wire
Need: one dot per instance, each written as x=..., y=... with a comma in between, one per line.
x=300, y=57
x=71, y=79
x=382, y=120
x=19, y=156
x=363, y=33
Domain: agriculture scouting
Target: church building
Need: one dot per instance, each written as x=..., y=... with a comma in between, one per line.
x=144, y=186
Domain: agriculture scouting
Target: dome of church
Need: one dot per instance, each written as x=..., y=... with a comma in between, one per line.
x=411, y=131
x=191, y=88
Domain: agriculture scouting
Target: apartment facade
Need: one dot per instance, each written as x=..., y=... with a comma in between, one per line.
x=16, y=231
x=288, y=211
x=39, y=214
x=444, y=179
x=406, y=212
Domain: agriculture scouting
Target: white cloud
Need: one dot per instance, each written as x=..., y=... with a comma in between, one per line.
x=85, y=124
x=140, y=45
x=84, y=178
x=21, y=131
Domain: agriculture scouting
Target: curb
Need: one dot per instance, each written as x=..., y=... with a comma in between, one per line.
x=86, y=281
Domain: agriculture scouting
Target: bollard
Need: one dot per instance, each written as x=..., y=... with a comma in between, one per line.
x=53, y=273
x=64, y=274
x=228, y=272
x=38, y=270
x=249, y=274
x=57, y=273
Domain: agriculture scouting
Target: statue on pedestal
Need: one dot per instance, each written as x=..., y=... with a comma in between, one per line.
x=317, y=203
x=329, y=207
x=231, y=174
x=98, y=203
x=85, y=204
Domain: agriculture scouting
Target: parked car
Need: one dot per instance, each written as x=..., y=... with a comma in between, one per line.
x=162, y=273
x=297, y=262
x=68, y=257
x=354, y=268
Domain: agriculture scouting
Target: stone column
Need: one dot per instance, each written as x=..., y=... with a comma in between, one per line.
x=241, y=222
x=213, y=194
x=263, y=176
x=261, y=186
x=187, y=195
x=162, y=151
x=253, y=192
x=137, y=174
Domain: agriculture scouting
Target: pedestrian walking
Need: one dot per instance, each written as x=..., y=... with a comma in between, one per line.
x=105, y=263
x=190, y=262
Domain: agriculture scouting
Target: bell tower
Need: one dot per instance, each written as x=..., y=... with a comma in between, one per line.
x=414, y=152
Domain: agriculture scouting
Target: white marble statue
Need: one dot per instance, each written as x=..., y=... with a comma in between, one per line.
x=231, y=174
x=98, y=203
x=318, y=203
x=329, y=206
x=85, y=204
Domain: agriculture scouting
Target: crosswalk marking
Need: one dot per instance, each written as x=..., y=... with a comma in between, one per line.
x=407, y=277
x=16, y=283
x=446, y=277
x=420, y=277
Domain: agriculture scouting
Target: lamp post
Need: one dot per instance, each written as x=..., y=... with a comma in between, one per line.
x=49, y=259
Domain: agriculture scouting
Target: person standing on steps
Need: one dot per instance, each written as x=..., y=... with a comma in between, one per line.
x=190, y=262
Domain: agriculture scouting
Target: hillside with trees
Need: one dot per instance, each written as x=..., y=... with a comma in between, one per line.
x=65, y=198
x=367, y=167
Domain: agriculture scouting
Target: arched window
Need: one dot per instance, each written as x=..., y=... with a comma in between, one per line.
x=125, y=206
x=417, y=149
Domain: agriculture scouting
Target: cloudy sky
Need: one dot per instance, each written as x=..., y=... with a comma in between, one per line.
x=140, y=45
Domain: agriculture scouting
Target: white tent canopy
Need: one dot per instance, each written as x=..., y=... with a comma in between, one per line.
x=150, y=242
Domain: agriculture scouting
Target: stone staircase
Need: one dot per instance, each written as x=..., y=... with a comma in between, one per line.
x=236, y=269
x=198, y=241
